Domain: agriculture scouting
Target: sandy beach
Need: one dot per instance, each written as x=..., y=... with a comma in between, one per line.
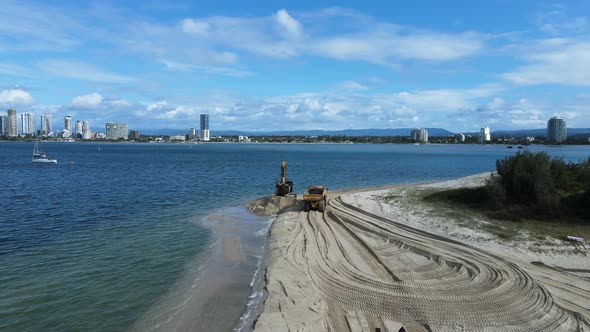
x=380, y=258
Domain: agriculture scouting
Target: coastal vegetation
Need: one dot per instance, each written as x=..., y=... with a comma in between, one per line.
x=530, y=191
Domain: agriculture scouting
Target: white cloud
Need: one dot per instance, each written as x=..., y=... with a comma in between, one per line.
x=158, y=105
x=388, y=45
x=291, y=26
x=14, y=97
x=179, y=66
x=453, y=109
x=195, y=27
x=281, y=35
x=81, y=71
x=555, y=20
x=353, y=85
x=36, y=27
x=558, y=62
x=13, y=70
x=90, y=100
x=215, y=70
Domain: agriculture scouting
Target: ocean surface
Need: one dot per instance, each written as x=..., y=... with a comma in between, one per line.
x=153, y=236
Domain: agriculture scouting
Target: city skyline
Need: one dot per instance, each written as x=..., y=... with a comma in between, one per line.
x=377, y=65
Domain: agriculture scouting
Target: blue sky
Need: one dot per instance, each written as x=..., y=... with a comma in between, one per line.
x=458, y=65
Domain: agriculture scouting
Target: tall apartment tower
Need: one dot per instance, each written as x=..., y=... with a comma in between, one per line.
x=419, y=135
x=67, y=127
x=27, y=124
x=204, y=133
x=46, y=124
x=484, y=135
x=3, y=125
x=11, y=124
x=78, y=133
x=556, y=130
x=86, y=134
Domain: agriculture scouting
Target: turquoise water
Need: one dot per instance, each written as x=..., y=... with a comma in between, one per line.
x=107, y=241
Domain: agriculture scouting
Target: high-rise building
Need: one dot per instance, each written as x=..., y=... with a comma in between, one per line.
x=419, y=135
x=460, y=138
x=78, y=134
x=204, y=134
x=192, y=133
x=116, y=131
x=46, y=124
x=67, y=127
x=27, y=124
x=556, y=130
x=3, y=124
x=134, y=135
x=86, y=134
x=484, y=135
x=11, y=123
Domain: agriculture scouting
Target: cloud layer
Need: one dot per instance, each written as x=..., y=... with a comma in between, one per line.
x=331, y=68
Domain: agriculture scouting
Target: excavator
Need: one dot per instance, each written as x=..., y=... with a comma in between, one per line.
x=284, y=187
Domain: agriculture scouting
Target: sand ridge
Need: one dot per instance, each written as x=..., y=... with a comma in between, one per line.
x=353, y=269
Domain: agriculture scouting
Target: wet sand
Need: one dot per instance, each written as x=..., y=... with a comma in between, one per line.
x=369, y=263
x=216, y=291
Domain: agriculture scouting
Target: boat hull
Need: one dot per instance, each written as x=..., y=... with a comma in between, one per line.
x=45, y=161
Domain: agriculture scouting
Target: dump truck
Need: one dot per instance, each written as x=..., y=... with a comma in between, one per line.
x=315, y=198
x=284, y=187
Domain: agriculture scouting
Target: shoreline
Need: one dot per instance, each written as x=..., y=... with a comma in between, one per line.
x=217, y=290
x=310, y=262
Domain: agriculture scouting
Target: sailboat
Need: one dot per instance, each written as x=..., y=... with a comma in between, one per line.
x=40, y=156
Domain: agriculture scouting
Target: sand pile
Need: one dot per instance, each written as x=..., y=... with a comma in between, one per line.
x=267, y=206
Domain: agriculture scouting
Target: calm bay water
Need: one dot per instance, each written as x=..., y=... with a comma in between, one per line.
x=98, y=244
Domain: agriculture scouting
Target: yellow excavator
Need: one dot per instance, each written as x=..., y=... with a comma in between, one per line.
x=284, y=187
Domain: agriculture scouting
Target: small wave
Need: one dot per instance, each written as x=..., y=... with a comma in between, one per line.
x=256, y=299
x=264, y=231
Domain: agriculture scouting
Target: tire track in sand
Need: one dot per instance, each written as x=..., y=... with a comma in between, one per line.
x=423, y=280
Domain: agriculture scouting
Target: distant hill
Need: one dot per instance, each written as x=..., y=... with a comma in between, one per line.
x=364, y=132
x=345, y=132
x=538, y=132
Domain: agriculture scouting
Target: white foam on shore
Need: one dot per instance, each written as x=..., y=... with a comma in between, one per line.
x=256, y=299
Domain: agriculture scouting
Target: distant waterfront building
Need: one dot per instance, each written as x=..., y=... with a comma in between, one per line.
x=484, y=135
x=11, y=123
x=46, y=124
x=67, y=127
x=204, y=134
x=134, y=135
x=177, y=138
x=27, y=123
x=419, y=135
x=86, y=134
x=556, y=130
x=460, y=138
x=3, y=124
x=192, y=133
x=116, y=131
x=78, y=133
